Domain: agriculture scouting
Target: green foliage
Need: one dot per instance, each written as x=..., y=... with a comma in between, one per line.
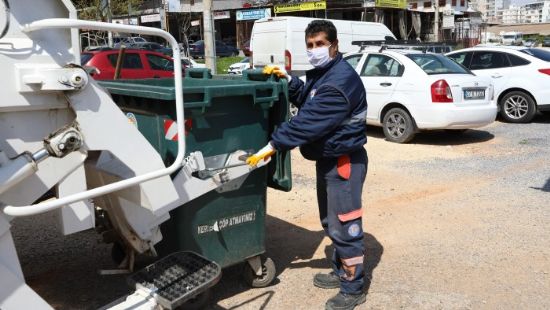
x=223, y=63
x=91, y=9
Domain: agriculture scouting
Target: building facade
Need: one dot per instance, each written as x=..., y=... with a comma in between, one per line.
x=537, y=12
x=513, y=15
x=493, y=10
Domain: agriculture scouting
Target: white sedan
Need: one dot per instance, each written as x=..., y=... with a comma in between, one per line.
x=408, y=91
x=190, y=62
x=521, y=77
x=239, y=67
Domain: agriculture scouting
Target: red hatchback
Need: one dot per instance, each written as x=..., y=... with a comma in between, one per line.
x=137, y=64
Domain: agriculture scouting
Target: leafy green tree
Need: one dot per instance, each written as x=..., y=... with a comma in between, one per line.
x=97, y=9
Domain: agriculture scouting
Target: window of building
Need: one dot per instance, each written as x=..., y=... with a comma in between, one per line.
x=414, y=5
x=453, y=3
x=428, y=4
x=462, y=3
x=442, y=2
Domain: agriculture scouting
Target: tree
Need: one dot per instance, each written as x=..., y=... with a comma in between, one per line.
x=98, y=10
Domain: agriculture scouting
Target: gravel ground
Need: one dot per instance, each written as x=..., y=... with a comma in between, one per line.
x=451, y=222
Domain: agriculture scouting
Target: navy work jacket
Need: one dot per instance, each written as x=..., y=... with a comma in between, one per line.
x=332, y=112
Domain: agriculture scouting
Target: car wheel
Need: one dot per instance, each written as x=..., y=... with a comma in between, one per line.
x=398, y=126
x=517, y=107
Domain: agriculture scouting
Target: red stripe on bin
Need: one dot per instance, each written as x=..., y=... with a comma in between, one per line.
x=351, y=215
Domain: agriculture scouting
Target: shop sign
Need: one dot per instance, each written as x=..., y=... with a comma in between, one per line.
x=195, y=23
x=304, y=6
x=126, y=21
x=253, y=14
x=394, y=4
x=221, y=14
x=448, y=22
x=150, y=18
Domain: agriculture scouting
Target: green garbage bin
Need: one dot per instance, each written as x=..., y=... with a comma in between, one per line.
x=222, y=115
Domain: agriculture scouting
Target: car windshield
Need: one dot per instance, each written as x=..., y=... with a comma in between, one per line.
x=85, y=57
x=508, y=36
x=538, y=53
x=437, y=64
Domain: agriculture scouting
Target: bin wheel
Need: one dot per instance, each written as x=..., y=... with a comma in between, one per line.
x=198, y=302
x=268, y=273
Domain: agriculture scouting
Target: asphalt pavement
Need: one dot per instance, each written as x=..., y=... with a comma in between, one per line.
x=452, y=222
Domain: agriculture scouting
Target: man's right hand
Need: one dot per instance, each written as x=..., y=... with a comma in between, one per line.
x=280, y=73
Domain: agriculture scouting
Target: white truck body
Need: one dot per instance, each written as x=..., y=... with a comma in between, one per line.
x=60, y=130
x=281, y=40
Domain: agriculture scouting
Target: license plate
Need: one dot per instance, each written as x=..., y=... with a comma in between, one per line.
x=473, y=94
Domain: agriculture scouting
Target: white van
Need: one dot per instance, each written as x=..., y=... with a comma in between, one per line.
x=281, y=40
x=512, y=38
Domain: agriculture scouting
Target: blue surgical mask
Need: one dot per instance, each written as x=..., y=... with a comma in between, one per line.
x=319, y=57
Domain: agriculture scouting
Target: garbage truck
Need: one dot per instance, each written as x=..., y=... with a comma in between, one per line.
x=157, y=166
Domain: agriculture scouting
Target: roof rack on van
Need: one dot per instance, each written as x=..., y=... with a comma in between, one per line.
x=403, y=44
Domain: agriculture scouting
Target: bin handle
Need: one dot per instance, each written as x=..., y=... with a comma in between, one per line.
x=64, y=23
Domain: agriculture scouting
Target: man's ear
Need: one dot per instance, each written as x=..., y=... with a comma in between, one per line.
x=335, y=50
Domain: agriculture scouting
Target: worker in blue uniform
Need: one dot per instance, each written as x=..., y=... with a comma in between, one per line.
x=330, y=129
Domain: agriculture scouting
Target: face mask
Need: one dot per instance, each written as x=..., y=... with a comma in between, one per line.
x=319, y=57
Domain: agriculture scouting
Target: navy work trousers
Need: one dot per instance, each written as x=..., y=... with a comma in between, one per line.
x=339, y=188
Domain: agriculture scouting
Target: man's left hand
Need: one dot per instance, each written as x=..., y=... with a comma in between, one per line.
x=262, y=156
x=279, y=72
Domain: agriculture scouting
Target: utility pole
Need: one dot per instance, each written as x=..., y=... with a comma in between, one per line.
x=106, y=11
x=209, y=42
x=436, y=22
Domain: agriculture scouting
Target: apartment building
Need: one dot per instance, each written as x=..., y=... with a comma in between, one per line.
x=494, y=9
x=513, y=15
x=537, y=12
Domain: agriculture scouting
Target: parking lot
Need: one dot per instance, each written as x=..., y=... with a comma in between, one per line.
x=452, y=222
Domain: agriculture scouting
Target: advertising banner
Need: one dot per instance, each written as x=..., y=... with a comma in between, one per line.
x=253, y=14
x=394, y=4
x=304, y=6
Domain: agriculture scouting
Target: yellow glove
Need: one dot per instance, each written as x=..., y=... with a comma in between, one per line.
x=280, y=73
x=262, y=157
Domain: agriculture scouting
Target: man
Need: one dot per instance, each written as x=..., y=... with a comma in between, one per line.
x=330, y=129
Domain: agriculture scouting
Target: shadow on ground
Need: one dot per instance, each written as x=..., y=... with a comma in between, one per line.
x=440, y=137
x=63, y=269
x=290, y=247
x=542, y=118
x=544, y=188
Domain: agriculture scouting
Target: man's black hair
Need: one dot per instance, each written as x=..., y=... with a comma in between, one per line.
x=322, y=25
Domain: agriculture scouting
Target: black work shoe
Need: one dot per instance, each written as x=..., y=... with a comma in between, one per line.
x=345, y=301
x=326, y=280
